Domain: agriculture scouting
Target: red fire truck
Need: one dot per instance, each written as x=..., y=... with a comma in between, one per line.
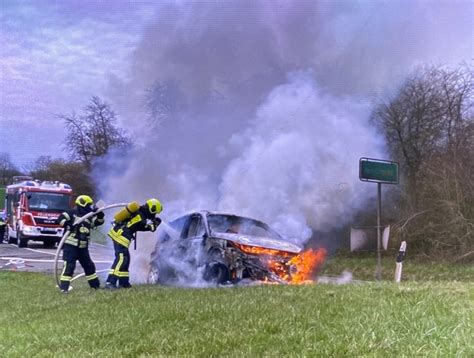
x=32, y=209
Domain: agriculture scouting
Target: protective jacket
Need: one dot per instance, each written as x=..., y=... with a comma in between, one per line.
x=122, y=235
x=76, y=246
x=79, y=234
x=124, y=232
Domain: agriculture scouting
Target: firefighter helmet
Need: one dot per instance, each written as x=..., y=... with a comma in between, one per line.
x=154, y=206
x=84, y=200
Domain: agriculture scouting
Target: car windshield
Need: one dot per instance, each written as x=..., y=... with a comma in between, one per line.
x=48, y=201
x=231, y=224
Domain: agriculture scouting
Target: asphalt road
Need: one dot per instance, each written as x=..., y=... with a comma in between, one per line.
x=37, y=258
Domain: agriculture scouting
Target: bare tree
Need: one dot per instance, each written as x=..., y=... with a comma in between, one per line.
x=94, y=133
x=413, y=124
x=161, y=101
x=429, y=126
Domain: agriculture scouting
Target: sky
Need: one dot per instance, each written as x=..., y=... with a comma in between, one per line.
x=54, y=55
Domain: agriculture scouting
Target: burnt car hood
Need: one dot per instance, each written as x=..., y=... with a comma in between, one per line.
x=259, y=241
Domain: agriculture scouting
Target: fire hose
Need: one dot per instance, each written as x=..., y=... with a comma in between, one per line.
x=66, y=233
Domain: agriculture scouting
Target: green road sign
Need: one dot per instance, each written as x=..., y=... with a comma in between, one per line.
x=378, y=171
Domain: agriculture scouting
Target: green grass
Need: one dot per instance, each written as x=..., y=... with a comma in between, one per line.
x=432, y=319
x=362, y=267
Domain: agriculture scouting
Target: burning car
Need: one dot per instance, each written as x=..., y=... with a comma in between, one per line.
x=224, y=248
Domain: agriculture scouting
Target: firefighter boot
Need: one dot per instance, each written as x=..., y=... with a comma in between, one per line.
x=64, y=286
x=124, y=282
x=94, y=283
x=111, y=282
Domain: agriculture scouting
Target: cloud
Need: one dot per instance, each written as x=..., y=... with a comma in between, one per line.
x=54, y=57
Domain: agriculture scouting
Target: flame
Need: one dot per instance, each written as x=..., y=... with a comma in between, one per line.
x=307, y=263
x=300, y=269
x=255, y=250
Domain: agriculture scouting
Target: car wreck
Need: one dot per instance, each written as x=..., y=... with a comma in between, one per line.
x=217, y=248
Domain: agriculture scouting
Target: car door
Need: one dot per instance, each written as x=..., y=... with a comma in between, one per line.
x=165, y=263
x=170, y=238
x=175, y=233
x=191, y=245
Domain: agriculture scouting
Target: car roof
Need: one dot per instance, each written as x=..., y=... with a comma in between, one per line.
x=210, y=212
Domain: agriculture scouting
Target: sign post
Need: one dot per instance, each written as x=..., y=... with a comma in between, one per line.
x=380, y=172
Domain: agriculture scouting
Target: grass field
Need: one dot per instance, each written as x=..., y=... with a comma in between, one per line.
x=432, y=319
x=362, y=266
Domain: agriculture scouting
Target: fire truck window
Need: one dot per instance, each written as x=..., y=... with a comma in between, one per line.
x=33, y=202
x=16, y=197
x=48, y=201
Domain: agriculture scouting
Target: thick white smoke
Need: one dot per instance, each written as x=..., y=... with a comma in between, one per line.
x=296, y=167
x=261, y=107
x=299, y=163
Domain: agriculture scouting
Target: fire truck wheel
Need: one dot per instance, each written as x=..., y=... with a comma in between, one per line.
x=49, y=243
x=21, y=240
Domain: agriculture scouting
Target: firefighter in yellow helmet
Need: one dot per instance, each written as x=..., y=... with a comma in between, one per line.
x=77, y=242
x=122, y=234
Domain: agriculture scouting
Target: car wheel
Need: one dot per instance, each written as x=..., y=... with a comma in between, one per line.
x=161, y=273
x=216, y=273
x=153, y=275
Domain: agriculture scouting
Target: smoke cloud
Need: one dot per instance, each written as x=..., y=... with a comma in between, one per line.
x=299, y=163
x=261, y=108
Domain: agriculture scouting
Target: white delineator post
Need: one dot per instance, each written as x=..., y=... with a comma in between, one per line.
x=399, y=263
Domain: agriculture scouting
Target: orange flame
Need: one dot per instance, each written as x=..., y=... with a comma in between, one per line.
x=255, y=250
x=307, y=263
x=300, y=269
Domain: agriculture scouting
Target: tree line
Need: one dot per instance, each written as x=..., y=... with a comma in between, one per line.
x=429, y=128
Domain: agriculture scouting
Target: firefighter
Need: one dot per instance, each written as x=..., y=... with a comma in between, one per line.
x=123, y=233
x=77, y=242
x=3, y=225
